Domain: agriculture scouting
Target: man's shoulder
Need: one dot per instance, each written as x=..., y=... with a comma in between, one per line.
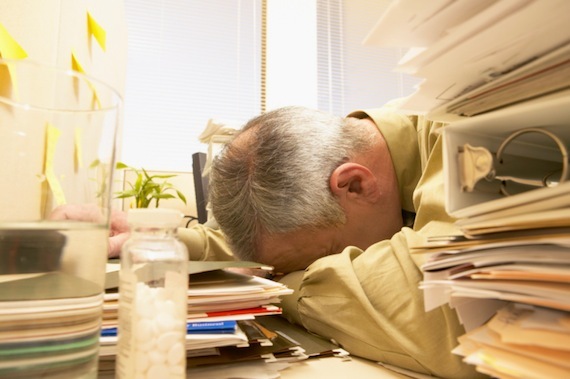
x=389, y=113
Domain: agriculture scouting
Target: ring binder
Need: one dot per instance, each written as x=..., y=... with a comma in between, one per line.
x=478, y=163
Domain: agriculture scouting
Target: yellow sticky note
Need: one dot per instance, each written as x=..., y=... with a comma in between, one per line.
x=5, y=82
x=9, y=48
x=95, y=30
x=78, y=149
x=52, y=136
x=76, y=66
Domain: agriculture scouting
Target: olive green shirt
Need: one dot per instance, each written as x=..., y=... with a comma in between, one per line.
x=369, y=301
x=205, y=243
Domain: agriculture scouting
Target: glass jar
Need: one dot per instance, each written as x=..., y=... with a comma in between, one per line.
x=153, y=297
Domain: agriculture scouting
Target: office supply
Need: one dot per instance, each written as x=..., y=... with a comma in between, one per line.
x=212, y=326
x=218, y=300
x=478, y=163
x=458, y=47
x=313, y=345
x=280, y=349
x=529, y=153
x=194, y=267
x=256, y=333
x=546, y=74
x=520, y=340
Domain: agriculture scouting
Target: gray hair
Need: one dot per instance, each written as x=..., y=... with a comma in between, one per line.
x=274, y=176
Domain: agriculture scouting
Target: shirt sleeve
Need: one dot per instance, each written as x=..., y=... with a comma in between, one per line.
x=205, y=243
x=369, y=302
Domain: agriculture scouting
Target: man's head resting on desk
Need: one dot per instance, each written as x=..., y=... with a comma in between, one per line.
x=297, y=184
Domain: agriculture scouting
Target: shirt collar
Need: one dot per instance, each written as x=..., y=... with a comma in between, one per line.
x=400, y=134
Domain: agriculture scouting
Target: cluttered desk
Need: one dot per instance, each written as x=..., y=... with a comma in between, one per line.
x=235, y=328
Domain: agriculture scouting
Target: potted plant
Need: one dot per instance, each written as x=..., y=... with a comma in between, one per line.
x=145, y=188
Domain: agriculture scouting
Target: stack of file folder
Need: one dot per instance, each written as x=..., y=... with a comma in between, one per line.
x=478, y=56
x=499, y=73
x=507, y=274
x=508, y=277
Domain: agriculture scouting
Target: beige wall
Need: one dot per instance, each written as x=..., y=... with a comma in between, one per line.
x=49, y=30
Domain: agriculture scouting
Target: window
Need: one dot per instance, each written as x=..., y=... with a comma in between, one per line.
x=189, y=61
x=316, y=57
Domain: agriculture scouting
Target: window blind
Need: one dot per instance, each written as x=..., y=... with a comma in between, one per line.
x=351, y=75
x=188, y=61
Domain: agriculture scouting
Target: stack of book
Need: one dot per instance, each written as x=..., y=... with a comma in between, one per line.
x=225, y=326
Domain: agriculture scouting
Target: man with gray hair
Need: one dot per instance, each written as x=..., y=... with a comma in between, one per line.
x=335, y=203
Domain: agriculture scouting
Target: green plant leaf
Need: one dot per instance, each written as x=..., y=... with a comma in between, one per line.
x=145, y=189
x=125, y=194
x=138, y=182
x=181, y=196
x=164, y=196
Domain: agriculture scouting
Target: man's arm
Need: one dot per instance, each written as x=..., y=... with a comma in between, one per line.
x=205, y=243
x=118, y=228
x=369, y=302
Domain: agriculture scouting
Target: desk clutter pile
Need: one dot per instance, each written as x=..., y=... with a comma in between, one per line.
x=234, y=328
x=510, y=284
x=498, y=73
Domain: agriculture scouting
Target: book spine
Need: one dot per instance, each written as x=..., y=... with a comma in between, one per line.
x=191, y=327
x=206, y=326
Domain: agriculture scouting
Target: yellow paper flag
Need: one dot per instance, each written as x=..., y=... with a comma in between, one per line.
x=52, y=136
x=95, y=30
x=9, y=48
x=78, y=147
x=75, y=65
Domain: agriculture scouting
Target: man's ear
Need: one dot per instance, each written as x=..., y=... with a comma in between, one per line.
x=353, y=181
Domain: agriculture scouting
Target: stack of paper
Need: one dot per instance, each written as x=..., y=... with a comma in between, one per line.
x=496, y=69
x=520, y=342
x=225, y=328
x=477, y=56
x=511, y=263
x=273, y=341
x=49, y=325
x=512, y=249
x=215, y=296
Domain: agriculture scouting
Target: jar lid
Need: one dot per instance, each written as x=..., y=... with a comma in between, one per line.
x=154, y=217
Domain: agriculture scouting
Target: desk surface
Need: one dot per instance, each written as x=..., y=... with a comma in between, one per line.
x=333, y=368
x=330, y=368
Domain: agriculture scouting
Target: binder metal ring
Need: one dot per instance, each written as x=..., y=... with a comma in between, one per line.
x=544, y=182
